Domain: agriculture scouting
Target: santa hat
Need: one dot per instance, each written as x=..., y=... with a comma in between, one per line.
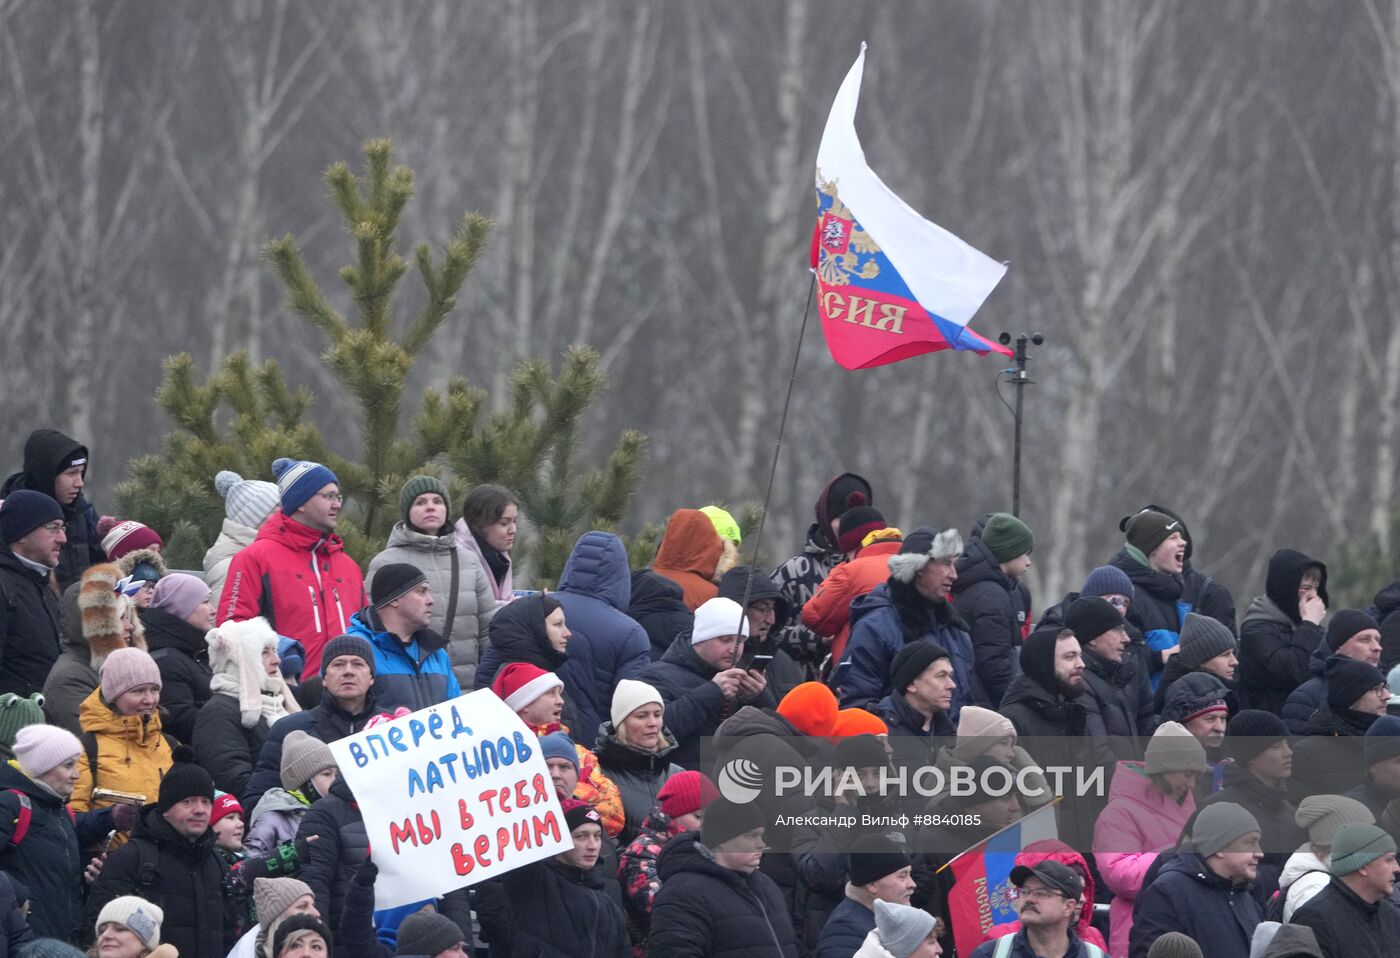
x=520, y=683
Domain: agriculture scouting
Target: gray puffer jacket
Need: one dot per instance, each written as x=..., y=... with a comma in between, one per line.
x=449, y=569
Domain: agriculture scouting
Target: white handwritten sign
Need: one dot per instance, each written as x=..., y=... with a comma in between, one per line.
x=451, y=795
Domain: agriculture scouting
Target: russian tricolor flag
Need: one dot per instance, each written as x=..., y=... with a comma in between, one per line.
x=981, y=895
x=891, y=285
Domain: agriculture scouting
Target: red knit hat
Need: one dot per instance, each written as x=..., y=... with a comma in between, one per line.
x=520, y=683
x=858, y=722
x=686, y=792
x=224, y=804
x=811, y=708
x=124, y=537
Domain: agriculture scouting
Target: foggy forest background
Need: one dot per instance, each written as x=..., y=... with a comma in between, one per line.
x=1200, y=203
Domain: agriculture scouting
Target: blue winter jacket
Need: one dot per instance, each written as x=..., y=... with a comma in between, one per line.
x=863, y=677
x=415, y=675
x=606, y=646
x=845, y=931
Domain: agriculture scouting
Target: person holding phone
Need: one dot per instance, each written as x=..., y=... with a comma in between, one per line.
x=701, y=680
x=768, y=611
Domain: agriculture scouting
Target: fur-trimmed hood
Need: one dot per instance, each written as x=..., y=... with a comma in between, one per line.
x=922, y=546
x=100, y=611
x=137, y=556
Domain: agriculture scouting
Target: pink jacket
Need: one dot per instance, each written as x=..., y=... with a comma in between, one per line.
x=1138, y=822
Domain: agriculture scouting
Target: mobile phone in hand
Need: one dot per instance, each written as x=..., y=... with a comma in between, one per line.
x=759, y=663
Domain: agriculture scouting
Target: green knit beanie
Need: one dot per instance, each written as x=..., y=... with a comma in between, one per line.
x=414, y=488
x=15, y=713
x=1356, y=846
x=1007, y=537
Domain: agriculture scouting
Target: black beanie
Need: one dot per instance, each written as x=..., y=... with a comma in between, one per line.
x=1347, y=680
x=909, y=663
x=1148, y=529
x=872, y=857
x=393, y=581
x=1091, y=616
x=1038, y=656
x=725, y=820
x=301, y=923
x=184, y=779
x=1345, y=624
x=1251, y=732
x=861, y=751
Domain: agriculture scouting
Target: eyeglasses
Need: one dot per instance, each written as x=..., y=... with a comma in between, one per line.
x=52, y=527
x=1118, y=602
x=331, y=496
x=1040, y=894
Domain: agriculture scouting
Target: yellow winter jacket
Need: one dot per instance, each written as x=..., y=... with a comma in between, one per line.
x=132, y=754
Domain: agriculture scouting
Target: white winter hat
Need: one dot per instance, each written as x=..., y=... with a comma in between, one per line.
x=631, y=695
x=719, y=616
x=246, y=501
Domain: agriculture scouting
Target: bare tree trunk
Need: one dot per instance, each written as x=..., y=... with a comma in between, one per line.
x=81, y=343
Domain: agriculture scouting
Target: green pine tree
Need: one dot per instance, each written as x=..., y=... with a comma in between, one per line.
x=244, y=417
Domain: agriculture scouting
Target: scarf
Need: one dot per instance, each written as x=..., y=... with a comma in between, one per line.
x=497, y=561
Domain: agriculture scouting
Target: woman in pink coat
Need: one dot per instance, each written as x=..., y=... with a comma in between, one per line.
x=1149, y=803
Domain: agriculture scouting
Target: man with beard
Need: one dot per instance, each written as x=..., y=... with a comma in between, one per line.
x=1048, y=899
x=1057, y=723
x=1047, y=699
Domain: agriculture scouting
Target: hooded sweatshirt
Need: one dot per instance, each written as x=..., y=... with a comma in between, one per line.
x=690, y=555
x=46, y=452
x=1275, y=643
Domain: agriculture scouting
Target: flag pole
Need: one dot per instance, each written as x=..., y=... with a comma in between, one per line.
x=1020, y=380
x=1020, y=821
x=778, y=446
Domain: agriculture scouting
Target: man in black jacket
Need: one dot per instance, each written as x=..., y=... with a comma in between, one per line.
x=1123, y=694
x=1256, y=780
x=714, y=902
x=701, y=680
x=1281, y=630
x=56, y=465
x=921, y=692
x=768, y=614
x=347, y=703
x=991, y=599
x=1352, y=915
x=171, y=861
x=31, y=541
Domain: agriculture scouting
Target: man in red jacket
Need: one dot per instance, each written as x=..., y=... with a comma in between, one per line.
x=296, y=574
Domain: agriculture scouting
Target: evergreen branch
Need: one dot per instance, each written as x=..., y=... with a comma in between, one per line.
x=303, y=295
x=345, y=192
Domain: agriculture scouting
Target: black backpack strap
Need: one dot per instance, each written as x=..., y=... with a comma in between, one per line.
x=89, y=740
x=147, y=862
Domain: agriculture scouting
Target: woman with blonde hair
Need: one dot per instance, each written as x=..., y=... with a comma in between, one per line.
x=129, y=927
